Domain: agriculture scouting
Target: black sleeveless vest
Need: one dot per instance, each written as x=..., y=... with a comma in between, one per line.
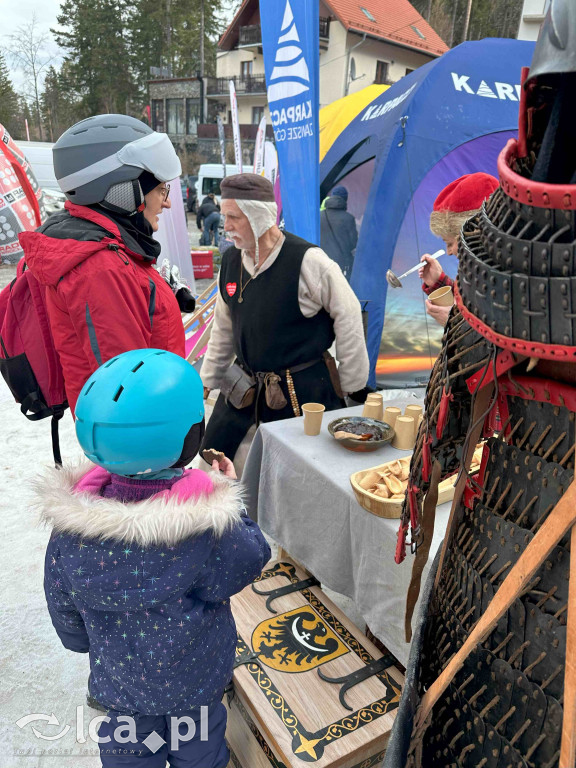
x=270, y=332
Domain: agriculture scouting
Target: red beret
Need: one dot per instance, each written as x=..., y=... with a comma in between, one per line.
x=247, y=186
x=466, y=193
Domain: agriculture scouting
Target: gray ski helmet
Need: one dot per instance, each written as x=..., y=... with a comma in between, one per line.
x=107, y=150
x=555, y=51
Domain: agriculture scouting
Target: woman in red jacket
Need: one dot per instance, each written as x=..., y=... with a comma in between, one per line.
x=97, y=257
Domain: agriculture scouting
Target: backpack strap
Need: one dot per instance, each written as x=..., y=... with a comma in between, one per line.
x=56, y=416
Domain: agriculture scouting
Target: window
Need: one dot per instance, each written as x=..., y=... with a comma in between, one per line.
x=192, y=116
x=381, y=72
x=257, y=114
x=211, y=185
x=158, y=115
x=246, y=69
x=420, y=34
x=367, y=14
x=175, y=116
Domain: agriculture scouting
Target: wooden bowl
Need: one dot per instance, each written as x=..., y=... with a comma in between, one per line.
x=392, y=508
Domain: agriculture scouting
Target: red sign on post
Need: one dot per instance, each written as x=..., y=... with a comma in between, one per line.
x=202, y=264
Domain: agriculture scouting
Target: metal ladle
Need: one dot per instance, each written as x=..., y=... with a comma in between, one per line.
x=394, y=280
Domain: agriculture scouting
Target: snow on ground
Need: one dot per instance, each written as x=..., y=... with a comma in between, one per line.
x=39, y=677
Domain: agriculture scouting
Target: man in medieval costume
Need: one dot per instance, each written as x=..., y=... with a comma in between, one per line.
x=281, y=305
x=491, y=681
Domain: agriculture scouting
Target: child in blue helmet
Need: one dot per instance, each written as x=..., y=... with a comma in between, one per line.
x=143, y=560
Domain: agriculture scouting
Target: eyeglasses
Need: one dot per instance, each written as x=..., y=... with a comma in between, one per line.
x=165, y=192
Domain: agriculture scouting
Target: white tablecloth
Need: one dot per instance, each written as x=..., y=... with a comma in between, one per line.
x=298, y=488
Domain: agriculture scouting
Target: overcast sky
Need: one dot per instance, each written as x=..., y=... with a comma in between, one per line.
x=15, y=13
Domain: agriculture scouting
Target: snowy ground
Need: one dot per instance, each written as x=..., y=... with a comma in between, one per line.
x=39, y=677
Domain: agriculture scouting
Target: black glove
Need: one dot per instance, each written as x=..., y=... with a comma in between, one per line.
x=361, y=395
x=185, y=299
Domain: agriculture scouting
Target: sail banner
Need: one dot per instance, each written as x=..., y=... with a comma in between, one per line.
x=290, y=40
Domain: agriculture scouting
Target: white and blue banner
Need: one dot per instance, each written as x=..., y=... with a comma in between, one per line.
x=290, y=39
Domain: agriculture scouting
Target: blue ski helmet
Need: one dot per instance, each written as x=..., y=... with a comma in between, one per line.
x=136, y=411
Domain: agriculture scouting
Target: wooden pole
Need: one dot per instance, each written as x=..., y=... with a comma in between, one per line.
x=568, y=743
x=467, y=22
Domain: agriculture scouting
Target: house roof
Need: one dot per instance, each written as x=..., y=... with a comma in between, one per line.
x=396, y=21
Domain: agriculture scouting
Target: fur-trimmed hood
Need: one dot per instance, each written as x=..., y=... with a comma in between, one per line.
x=128, y=555
x=161, y=520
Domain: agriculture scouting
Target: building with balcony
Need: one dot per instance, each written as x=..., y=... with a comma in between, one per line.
x=533, y=14
x=379, y=41
x=176, y=106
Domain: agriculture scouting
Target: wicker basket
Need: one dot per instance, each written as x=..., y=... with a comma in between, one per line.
x=392, y=508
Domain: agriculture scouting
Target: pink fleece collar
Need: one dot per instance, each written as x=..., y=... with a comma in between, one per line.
x=193, y=484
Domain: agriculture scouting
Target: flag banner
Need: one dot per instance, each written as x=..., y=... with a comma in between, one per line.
x=21, y=205
x=270, y=162
x=235, y=127
x=222, y=141
x=259, y=148
x=290, y=41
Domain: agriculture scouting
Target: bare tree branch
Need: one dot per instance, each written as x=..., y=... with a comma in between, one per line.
x=28, y=50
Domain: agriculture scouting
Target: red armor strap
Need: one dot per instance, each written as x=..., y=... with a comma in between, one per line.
x=504, y=361
x=426, y=458
x=414, y=512
x=400, y=553
x=537, y=193
x=527, y=348
x=443, y=412
x=542, y=390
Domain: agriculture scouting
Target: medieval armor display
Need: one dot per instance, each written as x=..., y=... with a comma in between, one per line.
x=492, y=688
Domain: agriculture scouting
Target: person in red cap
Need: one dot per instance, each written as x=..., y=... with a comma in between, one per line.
x=457, y=203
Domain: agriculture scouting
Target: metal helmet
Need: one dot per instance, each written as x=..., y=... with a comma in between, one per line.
x=106, y=151
x=555, y=51
x=135, y=413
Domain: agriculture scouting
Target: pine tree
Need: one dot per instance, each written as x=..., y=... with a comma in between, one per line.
x=60, y=105
x=10, y=113
x=97, y=53
x=168, y=34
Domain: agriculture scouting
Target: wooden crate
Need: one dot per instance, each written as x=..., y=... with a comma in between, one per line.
x=282, y=712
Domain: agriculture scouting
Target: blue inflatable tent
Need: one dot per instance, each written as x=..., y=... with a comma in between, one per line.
x=450, y=117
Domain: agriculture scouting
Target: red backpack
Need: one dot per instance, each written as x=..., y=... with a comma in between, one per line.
x=29, y=362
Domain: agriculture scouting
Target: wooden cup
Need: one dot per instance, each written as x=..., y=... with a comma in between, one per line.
x=415, y=411
x=404, y=433
x=391, y=413
x=376, y=399
x=313, y=413
x=442, y=297
x=372, y=410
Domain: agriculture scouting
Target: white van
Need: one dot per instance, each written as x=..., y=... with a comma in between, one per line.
x=209, y=177
x=39, y=155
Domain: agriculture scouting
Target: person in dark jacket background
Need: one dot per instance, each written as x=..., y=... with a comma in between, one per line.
x=338, y=234
x=209, y=213
x=142, y=562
